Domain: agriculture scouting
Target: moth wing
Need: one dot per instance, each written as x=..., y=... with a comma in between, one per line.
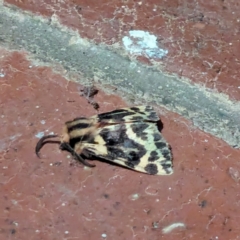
x=133, y=114
x=138, y=146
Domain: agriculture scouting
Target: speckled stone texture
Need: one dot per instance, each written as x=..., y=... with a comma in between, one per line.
x=56, y=198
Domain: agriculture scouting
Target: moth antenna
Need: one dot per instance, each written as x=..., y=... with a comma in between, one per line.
x=42, y=142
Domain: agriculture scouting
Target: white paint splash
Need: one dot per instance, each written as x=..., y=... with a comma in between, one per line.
x=39, y=134
x=143, y=43
x=171, y=227
x=2, y=74
x=4, y=142
x=104, y=235
x=15, y=137
x=134, y=196
x=43, y=122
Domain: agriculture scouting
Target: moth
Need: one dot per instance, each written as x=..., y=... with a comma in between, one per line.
x=127, y=137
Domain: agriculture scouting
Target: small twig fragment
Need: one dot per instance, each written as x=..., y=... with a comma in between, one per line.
x=89, y=93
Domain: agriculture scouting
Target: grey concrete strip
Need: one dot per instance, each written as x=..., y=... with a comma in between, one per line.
x=52, y=43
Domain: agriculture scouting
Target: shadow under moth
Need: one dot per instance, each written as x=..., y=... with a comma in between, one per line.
x=127, y=136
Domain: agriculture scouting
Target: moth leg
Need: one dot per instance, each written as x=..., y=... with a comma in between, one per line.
x=87, y=154
x=67, y=147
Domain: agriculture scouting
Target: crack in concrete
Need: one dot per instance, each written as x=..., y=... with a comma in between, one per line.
x=52, y=43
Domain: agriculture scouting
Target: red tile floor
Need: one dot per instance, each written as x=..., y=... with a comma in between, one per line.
x=56, y=198
x=50, y=198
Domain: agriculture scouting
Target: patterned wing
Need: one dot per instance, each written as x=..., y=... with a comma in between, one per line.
x=137, y=145
x=133, y=114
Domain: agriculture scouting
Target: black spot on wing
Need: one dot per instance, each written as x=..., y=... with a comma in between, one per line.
x=151, y=169
x=135, y=109
x=129, y=143
x=115, y=136
x=153, y=116
x=115, y=153
x=133, y=158
x=117, y=139
x=138, y=128
x=157, y=137
x=147, y=113
x=130, y=165
x=153, y=156
x=144, y=136
x=148, y=108
x=167, y=154
x=137, y=152
x=167, y=167
x=160, y=145
x=118, y=114
x=137, y=118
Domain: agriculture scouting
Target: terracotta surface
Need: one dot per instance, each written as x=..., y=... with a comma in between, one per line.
x=57, y=198
x=202, y=37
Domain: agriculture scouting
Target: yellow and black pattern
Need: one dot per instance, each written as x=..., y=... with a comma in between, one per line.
x=127, y=136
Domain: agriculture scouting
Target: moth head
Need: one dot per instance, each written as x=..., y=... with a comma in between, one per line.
x=63, y=145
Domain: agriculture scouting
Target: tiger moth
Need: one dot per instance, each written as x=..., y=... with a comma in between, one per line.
x=127, y=137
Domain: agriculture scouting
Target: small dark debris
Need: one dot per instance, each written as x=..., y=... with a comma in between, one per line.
x=89, y=93
x=78, y=8
x=197, y=18
x=116, y=205
x=203, y=204
x=57, y=163
x=106, y=195
x=12, y=231
x=148, y=211
x=155, y=225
